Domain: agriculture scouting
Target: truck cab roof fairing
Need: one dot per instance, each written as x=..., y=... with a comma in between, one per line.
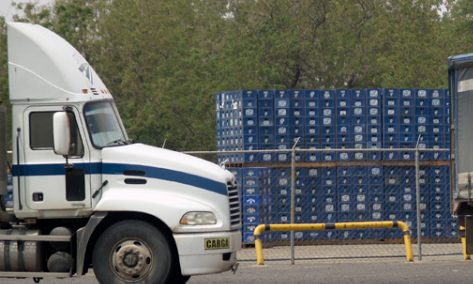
x=43, y=67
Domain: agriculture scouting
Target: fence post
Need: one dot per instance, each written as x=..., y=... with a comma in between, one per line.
x=293, y=194
x=419, y=235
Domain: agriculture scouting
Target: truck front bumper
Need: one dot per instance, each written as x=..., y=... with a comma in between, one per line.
x=198, y=256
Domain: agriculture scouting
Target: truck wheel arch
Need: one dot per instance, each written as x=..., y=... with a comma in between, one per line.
x=84, y=259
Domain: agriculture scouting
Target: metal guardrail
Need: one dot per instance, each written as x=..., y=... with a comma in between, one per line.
x=331, y=226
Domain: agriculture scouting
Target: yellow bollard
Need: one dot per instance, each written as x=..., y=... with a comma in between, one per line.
x=462, y=235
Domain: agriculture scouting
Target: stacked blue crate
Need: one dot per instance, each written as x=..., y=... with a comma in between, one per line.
x=439, y=127
x=407, y=123
x=296, y=120
x=283, y=138
x=343, y=115
x=311, y=128
x=266, y=125
x=374, y=123
x=8, y=199
x=257, y=200
x=393, y=206
x=376, y=199
x=391, y=123
x=327, y=124
x=440, y=202
x=358, y=123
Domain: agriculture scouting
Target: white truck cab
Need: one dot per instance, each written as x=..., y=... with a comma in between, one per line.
x=85, y=194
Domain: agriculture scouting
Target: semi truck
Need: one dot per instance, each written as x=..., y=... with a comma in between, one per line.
x=460, y=80
x=85, y=196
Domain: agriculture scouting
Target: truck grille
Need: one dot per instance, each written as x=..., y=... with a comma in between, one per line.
x=234, y=202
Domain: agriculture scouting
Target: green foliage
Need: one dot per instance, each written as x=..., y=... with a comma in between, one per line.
x=164, y=60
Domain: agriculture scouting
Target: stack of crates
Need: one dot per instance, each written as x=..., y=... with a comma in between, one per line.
x=236, y=117
x=328, y=124
x=344, y=135
x=296, y=121
x=374, y=123
x=257, y=201
x=311, y=122
x=391, y=123
x=343, y=119
x=284, y=140
x=441, y=222
x=266, y=125
x=376, y=199
x=8, y=199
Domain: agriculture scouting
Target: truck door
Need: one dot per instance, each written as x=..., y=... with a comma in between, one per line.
x=49, y=184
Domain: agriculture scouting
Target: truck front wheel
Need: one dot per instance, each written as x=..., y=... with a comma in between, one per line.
x=132, y=251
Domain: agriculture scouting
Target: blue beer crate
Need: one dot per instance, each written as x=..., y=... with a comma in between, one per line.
x=451, y=233
x=344, y=120
x=408, y=111
x=266, y=121
x=452, y=222
x=265, y=94
x=281, y=94
x=440, y=188
x=296, y=94
x=358, y=112
x=376, y=206
x=329, y=190
x=374, y=93
x=439, y=206
x=376, y=197
x=311, y=102
x=391, y=120
x=327, y=130
x=286, y=121
x=393, y=233
x=312, y=94
x=439, y=120
x=329, y=208
x=407, y=93
x=327, y=103
x=358, y=102
x=375, y=188
x=391, y=111
x=329, y=234
x=342, y=93
x=251, y=220
x=390, y=102
x=346, y=234
x=374, y=116
x=342, y=103
x=375, y=234
x=390, y=93
x=376, y=216
x=438, y=233
x=406, y=102
x=293, y=121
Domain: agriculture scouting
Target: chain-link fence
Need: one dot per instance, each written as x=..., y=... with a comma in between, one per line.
x=347, y=191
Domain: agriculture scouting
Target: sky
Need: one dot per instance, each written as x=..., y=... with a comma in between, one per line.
x=8, y=11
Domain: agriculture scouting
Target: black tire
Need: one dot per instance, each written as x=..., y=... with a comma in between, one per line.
x=132, y=251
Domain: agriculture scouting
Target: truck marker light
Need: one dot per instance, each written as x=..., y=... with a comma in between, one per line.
x=84, y=91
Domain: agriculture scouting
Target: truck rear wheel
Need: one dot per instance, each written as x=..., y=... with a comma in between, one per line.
x=132, y=251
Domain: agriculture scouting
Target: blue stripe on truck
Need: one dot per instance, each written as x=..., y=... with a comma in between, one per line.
x=117, y=169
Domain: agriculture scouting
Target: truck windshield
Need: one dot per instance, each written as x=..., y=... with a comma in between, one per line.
x=104, y=124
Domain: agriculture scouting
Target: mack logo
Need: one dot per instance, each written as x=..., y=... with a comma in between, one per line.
x=84, y=67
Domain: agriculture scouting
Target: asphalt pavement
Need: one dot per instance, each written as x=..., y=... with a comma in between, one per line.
x=432, y=270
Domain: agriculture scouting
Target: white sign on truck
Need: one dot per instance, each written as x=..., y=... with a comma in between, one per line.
x=84, y=194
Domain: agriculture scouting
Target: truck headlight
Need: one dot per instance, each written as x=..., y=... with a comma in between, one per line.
x=198, y=218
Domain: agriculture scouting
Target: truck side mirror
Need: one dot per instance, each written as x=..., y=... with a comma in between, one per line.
x=61, y=133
